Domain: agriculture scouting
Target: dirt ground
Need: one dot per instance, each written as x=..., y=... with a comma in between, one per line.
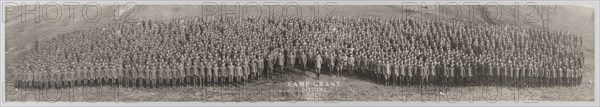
x=20, y=35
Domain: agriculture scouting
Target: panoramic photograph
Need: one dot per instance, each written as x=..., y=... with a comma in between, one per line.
x=292, y=52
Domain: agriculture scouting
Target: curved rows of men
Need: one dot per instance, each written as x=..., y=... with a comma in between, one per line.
x=199, y=51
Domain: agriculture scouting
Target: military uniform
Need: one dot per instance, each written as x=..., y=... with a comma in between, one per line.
x=231, y=73
x=239, y=72
x=253, y=70
x=395, y=73
x=153, y=76
x=246, y=71
x=318, y=63
x=387, y=68
x=260, y=63
x=215, y=72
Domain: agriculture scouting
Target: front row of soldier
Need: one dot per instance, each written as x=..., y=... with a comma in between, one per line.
x=197, y=73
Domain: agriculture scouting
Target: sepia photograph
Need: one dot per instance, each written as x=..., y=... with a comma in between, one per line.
x=309, y=52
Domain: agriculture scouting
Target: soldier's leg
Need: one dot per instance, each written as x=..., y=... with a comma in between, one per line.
x=318, y=71
x=216, y=80
x=183, y=80
x=240, y=80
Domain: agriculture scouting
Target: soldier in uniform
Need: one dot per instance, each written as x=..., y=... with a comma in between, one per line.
x=403, y=75
x=409, y=72
x=189, y=72
x=331, y=61
x=498, y=70
x=89, y=77
x=260, y=63
x=239, y=71
x=215, y=72
x=153, y=78
x=253, y=70
x=343, y=60
x=223, y=72
x=195, y=71
x=387, y=71
x=351, y=63
x=231, y=73
x=246, y=70
x=291, y=60
x=424, y=72
x=318, y=63
x=395, y=72
x=209, y=73
x=181, y=72
x=460, y=71
x=125, y=79
x=37, y=79
x=160, y=74
x=170, y=75
x=53, y=77
x=270, y=65
x=30, y=77
x=115, y=74
x=469, y=73
x=303, y=59
x=280, y=60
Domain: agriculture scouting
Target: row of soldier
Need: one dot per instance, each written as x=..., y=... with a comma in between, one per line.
x=388, y=50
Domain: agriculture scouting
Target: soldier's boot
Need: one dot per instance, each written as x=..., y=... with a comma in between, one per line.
x=134, y=82
x=200, y=81
x=549, y=82
x=182, y=81
x=141, y=82
x=38, y=84
x=460, y=80
x=543, y=81
x=218, y=81
x=71, y=84
x=471, y=81
x=240, y=81
x=194, y=82
x=565, y=81
x=203, y=81
x=50, y=84
x=149, y=83
x=88, y=82
x=540, y=81
x=318, y=75
x=62, y=84
x=215, y=81
x=304, y=69
x=105, y=81
x=208, y=81
x=406, y=81
x=425, y=81
x=579, y=80
x=42, y=85
x=55, y=84
x=100, y=81
x=398, y=81
x=169, y=82
x=232, y=80
x=229, y=84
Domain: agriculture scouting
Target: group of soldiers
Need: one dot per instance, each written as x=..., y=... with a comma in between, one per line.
x=211, y=50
